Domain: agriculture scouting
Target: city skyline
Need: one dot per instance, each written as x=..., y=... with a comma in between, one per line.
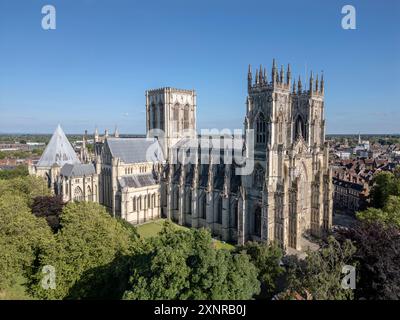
x=93, y=70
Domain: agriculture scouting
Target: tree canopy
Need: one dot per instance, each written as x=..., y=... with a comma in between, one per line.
x=389, y=214
x=320, y=273
x=22, y=237
x=267, y=259
x=378, y=259
x=180, y=264
x=84, y=254
x=385, y=184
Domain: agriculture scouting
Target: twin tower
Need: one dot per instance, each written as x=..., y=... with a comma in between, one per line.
x=288, y=195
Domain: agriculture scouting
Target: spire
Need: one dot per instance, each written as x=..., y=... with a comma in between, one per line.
x=96, y=135
x=274, y=71
x=288, y=74
x=249, y=78
x=261, y=81
x=84, y=138
x=294, y=86
x=316, y=84
x=257, y=77
x=299, y=86
x=265, y=76
x=359, y=138
x=322, y=82
x=311, y=82
x=116, y=132
x=281, y=75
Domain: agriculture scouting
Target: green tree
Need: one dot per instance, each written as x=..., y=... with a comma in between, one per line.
x=183, y=264
x=320, y=274
x=385, y=184
x=27, y=187
x=19, y=171
x=389, y=214
x=267, y=259
x=378, y=259
x=88, y=256
x=23, y=237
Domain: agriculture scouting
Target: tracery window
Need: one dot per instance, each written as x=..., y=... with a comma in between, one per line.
x=261, y=129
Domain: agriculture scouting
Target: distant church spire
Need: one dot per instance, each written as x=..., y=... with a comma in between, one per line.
x=96, y=135
x=116, y=132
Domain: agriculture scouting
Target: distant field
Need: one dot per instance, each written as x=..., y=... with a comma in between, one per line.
x=151, y=229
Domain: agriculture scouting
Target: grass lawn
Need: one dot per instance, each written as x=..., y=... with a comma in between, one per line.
x=16, y=292
x=152, y=228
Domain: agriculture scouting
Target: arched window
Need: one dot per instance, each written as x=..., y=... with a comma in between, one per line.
x=89, y=193
x=139, y=203
x=176, y=198
x=189, y=203
x=161, y=112
x=154, y=108
x=300, y=129
x=134, y=204
x=259, y=177
x=78, y=194
x=280, y=129
x=186, y=117
x=203, y=207
x=219, y=210
x=176, y=118
x=257, y=222
x=261, y=129
x=235, y=214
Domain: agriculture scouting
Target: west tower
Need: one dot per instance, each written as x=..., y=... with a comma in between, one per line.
x=289, y=193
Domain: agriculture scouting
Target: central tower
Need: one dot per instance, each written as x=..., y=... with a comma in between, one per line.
x=172, y=113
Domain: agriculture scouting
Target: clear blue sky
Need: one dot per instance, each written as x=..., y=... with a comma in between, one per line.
x=95, y=67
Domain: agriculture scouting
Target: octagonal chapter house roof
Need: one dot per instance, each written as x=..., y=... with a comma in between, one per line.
x=59, y=151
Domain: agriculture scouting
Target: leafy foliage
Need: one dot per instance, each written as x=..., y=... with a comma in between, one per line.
x=320, y=274
x=87, y=255
x=183, y=264
x=378, y=257
x=19, y=171
x=389, y=214
x=49, y=207
x=385, y=184
x=26, y=187
x=266, y=258
x=22, y=238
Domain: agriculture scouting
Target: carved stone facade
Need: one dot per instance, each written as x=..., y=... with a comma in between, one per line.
x=286, y=197
x=289, y=194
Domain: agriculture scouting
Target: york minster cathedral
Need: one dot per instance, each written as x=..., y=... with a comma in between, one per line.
x=285, y=198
